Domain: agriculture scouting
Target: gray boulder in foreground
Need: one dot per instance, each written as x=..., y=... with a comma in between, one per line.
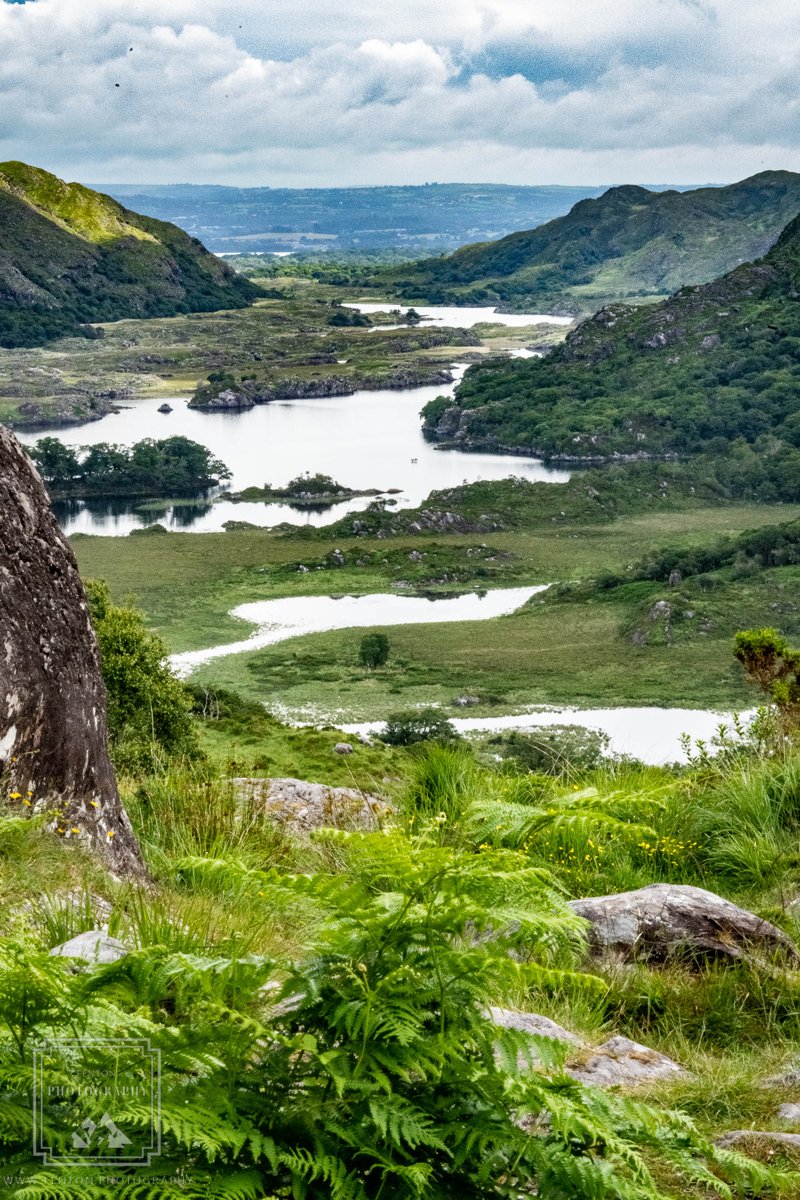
x=53, y=737
x=665, y=921
x=94, y=947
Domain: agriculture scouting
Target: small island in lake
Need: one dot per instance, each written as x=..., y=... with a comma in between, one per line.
x=307, y=491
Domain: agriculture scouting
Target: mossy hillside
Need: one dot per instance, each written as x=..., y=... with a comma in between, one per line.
x=70, y=256
x=628, y=243
x=714, y=370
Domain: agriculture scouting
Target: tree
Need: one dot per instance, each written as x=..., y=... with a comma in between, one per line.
x=149, y=710
x=373, y=650
x=58, y=464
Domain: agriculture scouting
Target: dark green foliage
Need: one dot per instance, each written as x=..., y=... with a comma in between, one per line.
x=349, y=318
x=628, y=242
x=174, y=466
x=69, y=256
x=759, y=549
x=418, y=725
x=373, y=650
x=149, y=710
x=561, y=750
x=774, y=666
x=714, y=371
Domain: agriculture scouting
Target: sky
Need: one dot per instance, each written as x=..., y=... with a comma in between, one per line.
x=307, y=93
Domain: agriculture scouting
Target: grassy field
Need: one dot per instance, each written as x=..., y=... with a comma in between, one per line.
x=565, y=650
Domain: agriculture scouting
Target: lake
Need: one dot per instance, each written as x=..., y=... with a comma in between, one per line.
x=372, y=439
x=653, y=735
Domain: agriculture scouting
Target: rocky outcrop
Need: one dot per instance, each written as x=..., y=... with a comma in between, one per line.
x=229, y=400
x=53, y=742
x=665, y=921
x=305, y=806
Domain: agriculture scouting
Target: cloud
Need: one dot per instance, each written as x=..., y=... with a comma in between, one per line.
x=339, y=91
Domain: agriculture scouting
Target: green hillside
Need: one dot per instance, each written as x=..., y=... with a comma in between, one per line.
x=629, y=243
x=713, y=370
x=69, y=256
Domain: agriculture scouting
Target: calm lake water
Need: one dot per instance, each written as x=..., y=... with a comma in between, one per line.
x=464, y=318
x=371, y=439
x=652, y=735
x=279, y=620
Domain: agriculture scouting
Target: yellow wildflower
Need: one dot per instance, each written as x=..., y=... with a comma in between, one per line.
x=110, y=833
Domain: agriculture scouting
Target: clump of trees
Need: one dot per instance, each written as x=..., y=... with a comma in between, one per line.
x=172, y=466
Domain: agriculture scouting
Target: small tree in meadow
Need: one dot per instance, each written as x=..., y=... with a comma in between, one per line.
x=373, y=650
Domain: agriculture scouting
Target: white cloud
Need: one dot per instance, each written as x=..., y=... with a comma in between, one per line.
x=333, y=92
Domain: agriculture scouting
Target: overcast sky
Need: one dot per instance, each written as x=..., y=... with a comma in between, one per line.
x=336, y=92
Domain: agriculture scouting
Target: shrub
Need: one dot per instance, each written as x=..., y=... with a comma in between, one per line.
x=418, y=725
x=149, y=710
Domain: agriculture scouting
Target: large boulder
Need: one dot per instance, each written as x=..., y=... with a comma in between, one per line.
x=307, y=806
x=666, y=921
x=53, y=741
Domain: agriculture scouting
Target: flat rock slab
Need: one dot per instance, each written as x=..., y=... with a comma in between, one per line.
x=307, y=806
x=94, y=947
x=619, y=1062
x=755, y=1136
x=665, y=921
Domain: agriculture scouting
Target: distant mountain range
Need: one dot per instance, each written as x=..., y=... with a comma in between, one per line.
x=70, y=256
x=427, y=219
x=627, y=243
x=714, y=370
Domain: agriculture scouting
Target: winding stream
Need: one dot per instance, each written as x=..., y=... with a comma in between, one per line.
x=279, y=620
x=653, y=735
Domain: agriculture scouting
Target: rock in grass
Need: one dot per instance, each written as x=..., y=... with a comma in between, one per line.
x=342, y=748
x=666, y=921
x=53, y=739
x=527, y=1022
x=619, y=1062
x=789, y=1112
x=94, y=947
x=305, y=806
x=764, y=1137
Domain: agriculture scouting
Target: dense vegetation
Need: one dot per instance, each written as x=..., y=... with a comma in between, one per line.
x=629, y=242
x=69, y=256
x=174, y=466
x=715, y=370
x=321, y=1005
